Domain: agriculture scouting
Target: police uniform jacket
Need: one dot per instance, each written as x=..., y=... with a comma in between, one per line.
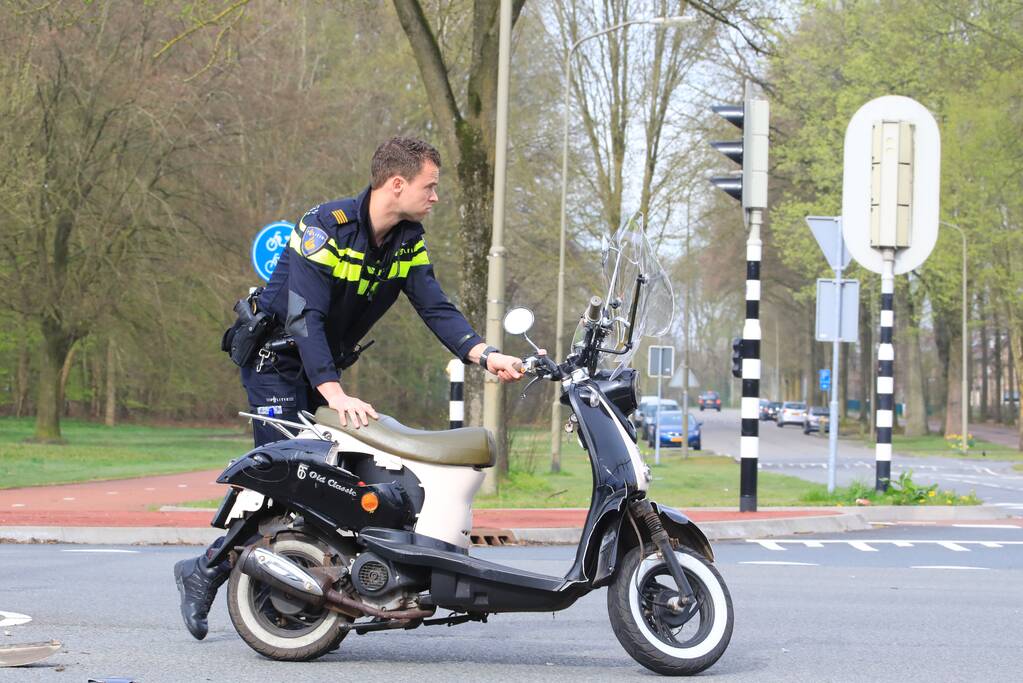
x=332, y=284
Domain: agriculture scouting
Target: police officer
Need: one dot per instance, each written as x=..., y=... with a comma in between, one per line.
x=346, y=263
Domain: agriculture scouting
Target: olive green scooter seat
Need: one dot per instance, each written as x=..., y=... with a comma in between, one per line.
x=470, y=446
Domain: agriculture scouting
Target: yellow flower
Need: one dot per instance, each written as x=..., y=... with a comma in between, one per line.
x=931, y=494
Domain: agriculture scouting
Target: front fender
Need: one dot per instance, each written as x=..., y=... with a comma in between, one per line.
x=684, y=530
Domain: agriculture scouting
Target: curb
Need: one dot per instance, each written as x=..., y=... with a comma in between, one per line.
x=847, y=519
x=722, y=531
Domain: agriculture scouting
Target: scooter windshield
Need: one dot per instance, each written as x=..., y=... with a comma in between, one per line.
x=627, y=255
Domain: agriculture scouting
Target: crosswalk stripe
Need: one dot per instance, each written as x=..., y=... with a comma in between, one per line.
x=953, y=546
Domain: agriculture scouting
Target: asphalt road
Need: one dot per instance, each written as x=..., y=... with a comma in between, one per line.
x=919, y=603
x=788, y=451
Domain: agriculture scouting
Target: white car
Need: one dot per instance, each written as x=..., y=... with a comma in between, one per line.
x=792, y=413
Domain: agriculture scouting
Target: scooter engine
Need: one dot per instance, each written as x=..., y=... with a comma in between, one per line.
x=379, y=582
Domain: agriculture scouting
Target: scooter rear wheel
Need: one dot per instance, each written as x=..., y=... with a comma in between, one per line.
x=276, y=625
x=657, y=637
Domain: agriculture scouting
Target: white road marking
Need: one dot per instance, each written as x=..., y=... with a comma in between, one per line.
x=111, y=493
x=863, y=547
x=769, y=545
x=813, y=544
x=99, y=550
x=18, y=505
x=953, y=546
x=990, y=544
x=182, y=486
x=902, y=544
x=782, y=563
x=13, y=619
x=69, y=498
x=988, y=526
x=150, y=488
x=944, y=566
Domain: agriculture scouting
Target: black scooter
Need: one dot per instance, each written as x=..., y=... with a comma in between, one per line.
x=334, y=530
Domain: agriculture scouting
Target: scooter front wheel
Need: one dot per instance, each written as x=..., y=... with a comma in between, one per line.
x=665, y=640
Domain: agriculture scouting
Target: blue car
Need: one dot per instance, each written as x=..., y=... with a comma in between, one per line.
x=670, y=422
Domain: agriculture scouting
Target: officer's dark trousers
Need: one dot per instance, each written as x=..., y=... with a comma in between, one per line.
x=279, y=390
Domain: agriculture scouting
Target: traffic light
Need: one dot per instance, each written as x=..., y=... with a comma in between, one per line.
x=737, y=357
x=749, y=185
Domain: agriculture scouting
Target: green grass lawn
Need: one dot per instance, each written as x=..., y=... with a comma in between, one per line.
x=936, y=445
x=94, y=451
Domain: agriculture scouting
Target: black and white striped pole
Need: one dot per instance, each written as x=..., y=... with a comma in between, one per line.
x=750, y=187
x=891, y=181
x=456, y=404
x=885, y=416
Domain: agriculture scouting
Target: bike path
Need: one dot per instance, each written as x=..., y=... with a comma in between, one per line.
x=142, y=510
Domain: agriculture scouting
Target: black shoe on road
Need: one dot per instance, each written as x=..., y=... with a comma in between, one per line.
x=198, y=584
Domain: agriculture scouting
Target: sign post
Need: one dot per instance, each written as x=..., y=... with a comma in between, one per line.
x=661, y=364
x=835, y=323
x=891, y=183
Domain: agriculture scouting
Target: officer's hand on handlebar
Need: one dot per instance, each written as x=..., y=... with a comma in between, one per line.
x=507, y=368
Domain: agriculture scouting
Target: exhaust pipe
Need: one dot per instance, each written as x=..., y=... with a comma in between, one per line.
x=281, y=573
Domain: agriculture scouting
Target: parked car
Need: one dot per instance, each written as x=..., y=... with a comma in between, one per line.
x=709, y=400
x=814, y=419
x=791, y=413
x=645, y=411
x=671, y=430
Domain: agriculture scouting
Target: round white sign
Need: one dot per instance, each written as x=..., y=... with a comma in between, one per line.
x=926, y=182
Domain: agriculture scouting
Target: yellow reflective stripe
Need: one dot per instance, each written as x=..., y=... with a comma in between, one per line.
x=420, y=259
x=346, y=270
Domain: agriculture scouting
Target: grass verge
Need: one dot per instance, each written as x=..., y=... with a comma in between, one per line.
x=95, y=452
x=937, y=445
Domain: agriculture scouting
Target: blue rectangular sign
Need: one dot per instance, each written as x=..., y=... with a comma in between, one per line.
x=825, y=379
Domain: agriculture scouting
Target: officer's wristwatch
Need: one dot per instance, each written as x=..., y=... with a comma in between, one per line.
x=486, y=354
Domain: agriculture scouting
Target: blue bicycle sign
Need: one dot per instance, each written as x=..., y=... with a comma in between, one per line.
x=268, y=246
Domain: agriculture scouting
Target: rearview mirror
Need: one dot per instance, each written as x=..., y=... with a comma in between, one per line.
x=518, y=321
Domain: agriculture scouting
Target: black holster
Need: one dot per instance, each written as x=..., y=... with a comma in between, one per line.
x=244, y=338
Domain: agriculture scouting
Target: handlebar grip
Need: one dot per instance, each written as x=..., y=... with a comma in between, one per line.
x=593, y=310
x=519, y=367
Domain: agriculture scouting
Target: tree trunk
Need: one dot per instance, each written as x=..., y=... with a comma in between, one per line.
x=998, y=370
x=1016, y=357
x=54, y=350
x=21, y=392
x=915, y=420
x=65, y=372
x=866, y=363
x=953, y=390
x=984, y=385
x=110, y=404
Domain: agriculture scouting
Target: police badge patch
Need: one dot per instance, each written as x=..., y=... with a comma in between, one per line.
x=313, y=240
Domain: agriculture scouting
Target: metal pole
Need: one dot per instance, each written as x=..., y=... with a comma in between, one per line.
x=657, y=413
x=836, y=350
x=559, y=347
x=456, y=404
x=492, y=406
x=749, y=440
x=885, y=375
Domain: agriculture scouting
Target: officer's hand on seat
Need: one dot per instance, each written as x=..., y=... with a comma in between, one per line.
x=350, y=407
x=507, y=368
